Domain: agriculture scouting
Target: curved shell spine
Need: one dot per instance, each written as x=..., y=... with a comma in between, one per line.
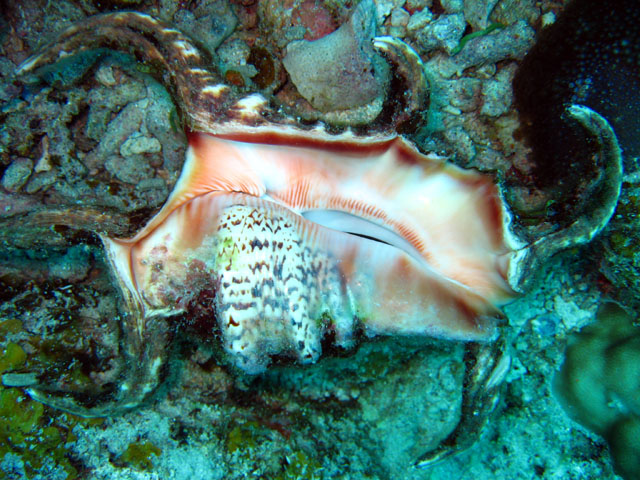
x=596, y=212
x=206, y=103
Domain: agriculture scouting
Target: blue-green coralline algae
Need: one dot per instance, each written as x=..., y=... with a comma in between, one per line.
x=589, y=56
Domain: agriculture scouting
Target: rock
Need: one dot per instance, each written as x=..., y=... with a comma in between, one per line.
x=125, y=124
x=104, y=75
x=415, y=5
x=41, y=181
x=383, y=10
x=130, y=169
x=338, y=72
x=476, y=13
x=452, y=6
x=73, y=266
x=210, y=22
x=418, y=21
x=507, y=12
x=104, y=102
x=512, y=42
x=497, y=94
x=463, y=146
x=547, y=19
x=463, y=93
x=399, y=17
x=316, y=18
x=154, y=191
x=445, y=32
x=234, y=51
x=139, y=143
x=17, y=174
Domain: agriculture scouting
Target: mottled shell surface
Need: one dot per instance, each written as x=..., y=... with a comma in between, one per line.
x=302, y=242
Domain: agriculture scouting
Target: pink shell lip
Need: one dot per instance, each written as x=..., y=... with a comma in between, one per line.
x=445, y=224
x=390, y=183
x=396, y=294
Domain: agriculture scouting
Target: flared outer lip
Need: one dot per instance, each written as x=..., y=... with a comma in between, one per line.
x=449, y=220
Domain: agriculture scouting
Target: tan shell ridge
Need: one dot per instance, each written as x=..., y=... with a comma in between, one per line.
x=165, y=49
x=204, y=101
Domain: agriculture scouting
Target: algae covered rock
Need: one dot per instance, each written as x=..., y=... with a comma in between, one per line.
x=599, y=384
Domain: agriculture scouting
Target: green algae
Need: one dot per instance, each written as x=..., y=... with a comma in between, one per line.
x=376, y=365
x=301, y=466
x=139, y=455
x=25, y=429
x=471, y=36
x=623, y=241
x=12, y=357
x=10, y=326
x=243, y=436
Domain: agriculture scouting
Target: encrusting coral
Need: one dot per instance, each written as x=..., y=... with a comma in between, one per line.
x=599, y=385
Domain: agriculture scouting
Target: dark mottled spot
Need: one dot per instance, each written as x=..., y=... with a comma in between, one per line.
x=258, y=266
x=242, y=306
x=233, y=77
x=113, y=188
x=277, y=268
x=179, y=432
x=260, y=58
x=255, y=243
x=437, y=8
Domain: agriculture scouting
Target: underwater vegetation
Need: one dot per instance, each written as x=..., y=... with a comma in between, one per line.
x=599, y=384
x=30, y=439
